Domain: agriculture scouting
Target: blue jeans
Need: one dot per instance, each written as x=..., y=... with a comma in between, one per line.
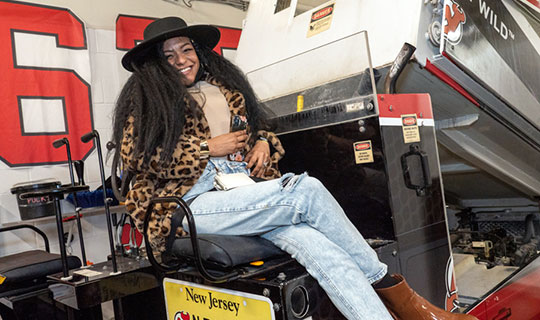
x=301, y=217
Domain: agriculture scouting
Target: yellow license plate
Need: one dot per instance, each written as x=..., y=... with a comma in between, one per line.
x=191, y=301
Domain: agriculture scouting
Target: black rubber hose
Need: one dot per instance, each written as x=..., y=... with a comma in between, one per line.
x=397, y=67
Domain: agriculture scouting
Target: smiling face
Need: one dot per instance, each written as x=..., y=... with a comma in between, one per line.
x=180, y=53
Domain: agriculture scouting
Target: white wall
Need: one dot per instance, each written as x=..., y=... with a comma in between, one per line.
x=389, y=24
x=101, y=14
x=107, y=77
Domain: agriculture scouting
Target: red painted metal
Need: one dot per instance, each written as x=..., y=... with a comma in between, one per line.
x=404, y=104
x=518, y=299
x=449, y=81
x=535, y=3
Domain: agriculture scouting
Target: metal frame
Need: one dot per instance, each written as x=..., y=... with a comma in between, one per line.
x=181, y=204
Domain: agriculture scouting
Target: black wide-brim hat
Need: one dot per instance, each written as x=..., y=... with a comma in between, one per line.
x=166, y=28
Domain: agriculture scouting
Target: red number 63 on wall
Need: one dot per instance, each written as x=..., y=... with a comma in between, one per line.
x=44, y=96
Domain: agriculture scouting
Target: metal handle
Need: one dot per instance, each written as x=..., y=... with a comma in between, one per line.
x=28, y=226
x=421, y=190
x=87, y=138
x=59, y=142
x=181, y=204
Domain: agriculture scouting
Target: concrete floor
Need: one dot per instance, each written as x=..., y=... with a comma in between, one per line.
x=475, y=280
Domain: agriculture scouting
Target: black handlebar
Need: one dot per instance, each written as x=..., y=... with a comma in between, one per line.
x=89, y=136
x=60, y=142
x=29, y=226
x=181, y=204
x=110, y=145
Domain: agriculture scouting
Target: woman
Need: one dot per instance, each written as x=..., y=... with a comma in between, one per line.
x=172, y=122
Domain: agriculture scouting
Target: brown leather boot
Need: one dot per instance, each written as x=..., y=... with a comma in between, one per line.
x=405, y=304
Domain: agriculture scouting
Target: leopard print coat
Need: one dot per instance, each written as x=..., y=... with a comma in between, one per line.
x=175, y=178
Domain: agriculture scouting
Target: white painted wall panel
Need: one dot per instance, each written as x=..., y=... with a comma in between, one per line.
x=273, y=37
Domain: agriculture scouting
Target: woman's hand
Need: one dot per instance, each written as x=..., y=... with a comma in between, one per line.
x=227, y=143
x=258, y=158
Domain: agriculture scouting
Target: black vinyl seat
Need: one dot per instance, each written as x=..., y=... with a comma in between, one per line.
x=28, y=271
x=226, y=252
x=218, y=258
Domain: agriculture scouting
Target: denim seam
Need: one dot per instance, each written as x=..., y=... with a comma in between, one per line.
x=256, y=207
x=379, y=275
x=321, y=272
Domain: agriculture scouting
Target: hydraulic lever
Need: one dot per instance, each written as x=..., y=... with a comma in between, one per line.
x=86, y=138
x=57, y=144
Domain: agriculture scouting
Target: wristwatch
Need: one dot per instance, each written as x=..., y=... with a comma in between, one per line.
x=205, y=150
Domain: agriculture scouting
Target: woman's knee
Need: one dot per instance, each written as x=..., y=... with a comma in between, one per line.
x=311, y=183
x=303, y=184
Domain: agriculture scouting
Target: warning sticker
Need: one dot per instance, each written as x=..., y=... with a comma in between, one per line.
x=2, y=279
x=363, y=152
x=409, y=123
x=321, y=20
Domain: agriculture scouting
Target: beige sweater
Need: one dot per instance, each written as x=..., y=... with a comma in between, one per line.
x=214, y=105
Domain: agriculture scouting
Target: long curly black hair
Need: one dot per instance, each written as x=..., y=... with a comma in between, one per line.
x=155, y=96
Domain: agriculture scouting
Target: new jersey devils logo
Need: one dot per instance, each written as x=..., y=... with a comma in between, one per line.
x=454, y=19
x=451, y=303
x=181, y=315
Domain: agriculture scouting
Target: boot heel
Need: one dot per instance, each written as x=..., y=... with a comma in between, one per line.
x=405, y=304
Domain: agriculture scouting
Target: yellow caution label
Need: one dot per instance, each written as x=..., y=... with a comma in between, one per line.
x=2, y=279
x=409, y=123
x=363, y=152
x=321, y=20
